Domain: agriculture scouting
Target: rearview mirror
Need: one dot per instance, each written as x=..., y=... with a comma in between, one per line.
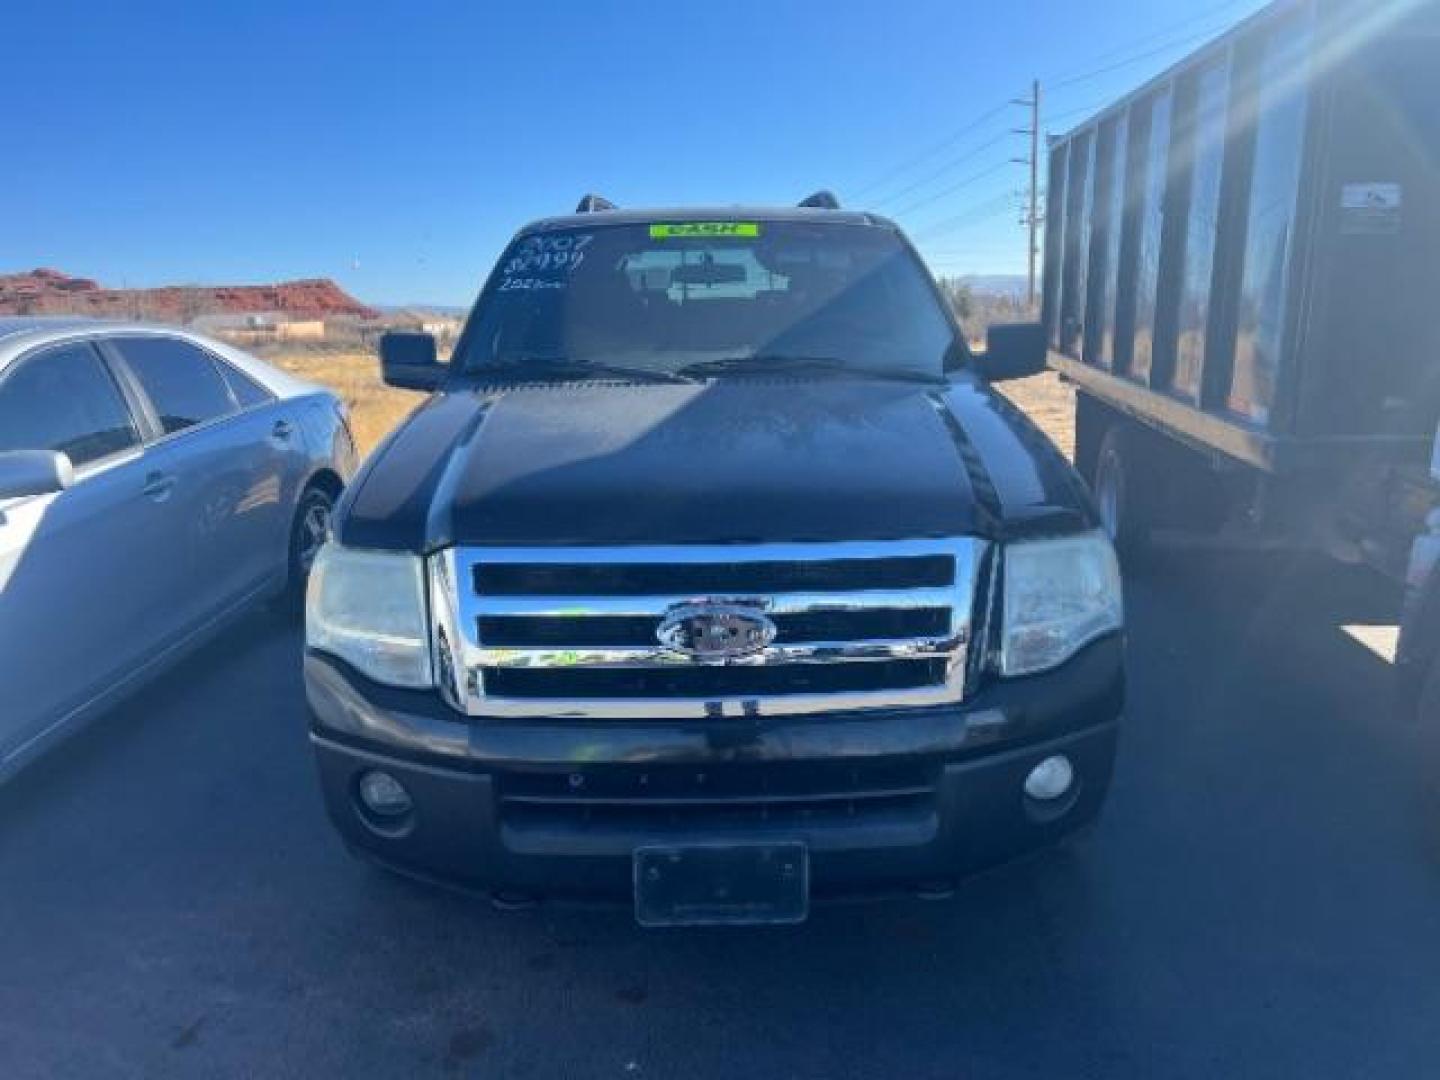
x=1013, y=351
x=408, y=360
x=708, y=274
x=33, y=472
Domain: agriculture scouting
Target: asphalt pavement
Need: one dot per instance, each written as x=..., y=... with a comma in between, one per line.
x=1258, y=900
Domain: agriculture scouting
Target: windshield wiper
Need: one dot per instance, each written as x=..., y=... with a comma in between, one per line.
x=563, y=367
x=786, y=362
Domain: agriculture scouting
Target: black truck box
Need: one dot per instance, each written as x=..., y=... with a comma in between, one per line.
x=1244, y=254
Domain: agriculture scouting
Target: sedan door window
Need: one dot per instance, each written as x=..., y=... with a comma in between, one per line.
x=65, y=400
x=181, y=381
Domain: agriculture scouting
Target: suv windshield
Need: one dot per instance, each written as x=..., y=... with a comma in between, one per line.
x=708, y=299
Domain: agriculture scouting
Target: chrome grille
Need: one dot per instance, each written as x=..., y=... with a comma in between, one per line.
x=571, y=632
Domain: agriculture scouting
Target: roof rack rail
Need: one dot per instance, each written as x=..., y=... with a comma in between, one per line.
x=824, y=199
x=592, y=204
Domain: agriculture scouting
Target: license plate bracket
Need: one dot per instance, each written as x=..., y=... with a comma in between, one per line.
x=722, y=884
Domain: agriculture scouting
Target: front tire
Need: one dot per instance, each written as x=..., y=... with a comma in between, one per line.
x=1123, y=493
x=308, y=533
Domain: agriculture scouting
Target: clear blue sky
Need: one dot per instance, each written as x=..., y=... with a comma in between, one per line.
x=395, y=146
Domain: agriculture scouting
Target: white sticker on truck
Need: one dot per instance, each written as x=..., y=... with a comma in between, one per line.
x=544, y=262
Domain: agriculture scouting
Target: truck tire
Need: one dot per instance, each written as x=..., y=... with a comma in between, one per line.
x=1092, y=421
x=1124, y=493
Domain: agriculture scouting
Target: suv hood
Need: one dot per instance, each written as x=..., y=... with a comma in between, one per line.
x=728, y=461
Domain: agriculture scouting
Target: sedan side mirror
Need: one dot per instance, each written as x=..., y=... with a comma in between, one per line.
x=1013, y=351
x=33, y=472
x=408, y=360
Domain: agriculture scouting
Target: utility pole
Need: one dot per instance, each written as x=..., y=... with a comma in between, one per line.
x=1032, y=218
x=1034, y=184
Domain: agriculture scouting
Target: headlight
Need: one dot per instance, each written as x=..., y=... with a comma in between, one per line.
x=1060, y=595
x=368, y=608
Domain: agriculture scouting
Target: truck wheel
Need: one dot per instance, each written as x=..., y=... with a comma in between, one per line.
x=1122, y=493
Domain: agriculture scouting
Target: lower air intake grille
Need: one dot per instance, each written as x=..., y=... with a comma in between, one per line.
x=651, y=796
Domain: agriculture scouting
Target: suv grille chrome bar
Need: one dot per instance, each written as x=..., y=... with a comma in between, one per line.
x=855, y=626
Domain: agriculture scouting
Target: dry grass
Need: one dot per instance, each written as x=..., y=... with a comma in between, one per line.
x=1051, y=404
x=376, y=408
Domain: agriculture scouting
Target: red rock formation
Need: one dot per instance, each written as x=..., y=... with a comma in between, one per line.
x=49, y=292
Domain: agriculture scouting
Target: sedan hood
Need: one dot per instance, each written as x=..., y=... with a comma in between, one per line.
x=729, y=461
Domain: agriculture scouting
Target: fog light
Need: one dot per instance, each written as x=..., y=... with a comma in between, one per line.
x=1051, y=779
x=383, y=795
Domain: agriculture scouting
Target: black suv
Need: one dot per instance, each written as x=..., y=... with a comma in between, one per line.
x=713, y=576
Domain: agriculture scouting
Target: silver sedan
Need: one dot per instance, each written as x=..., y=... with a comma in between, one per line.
x=153, y=485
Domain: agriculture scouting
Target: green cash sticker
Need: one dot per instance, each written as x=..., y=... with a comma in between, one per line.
x=689, y=229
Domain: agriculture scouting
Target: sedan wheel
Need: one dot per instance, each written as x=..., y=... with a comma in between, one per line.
x=308, y=534
x=314, y=531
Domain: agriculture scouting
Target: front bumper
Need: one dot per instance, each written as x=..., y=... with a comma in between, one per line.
x=883, y=800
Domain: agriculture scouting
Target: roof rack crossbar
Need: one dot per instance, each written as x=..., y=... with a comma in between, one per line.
x=824, y=199
x=591, y=203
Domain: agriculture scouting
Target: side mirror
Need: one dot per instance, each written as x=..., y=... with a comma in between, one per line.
x=1013, y=351
x=408, y=360
x=33, y=472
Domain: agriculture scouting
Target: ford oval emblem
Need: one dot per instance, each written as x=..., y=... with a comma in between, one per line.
x=715, y=632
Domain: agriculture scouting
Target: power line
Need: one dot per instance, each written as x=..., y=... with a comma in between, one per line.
x=1113, y=60
x=971, y=249
x=992, y=208
x=953, y=188
x=969, y=255
x=1094, y=108
x=1137, y=58
x=977, y=214
x=910, y=208
x=943, y=169
x=949, y=141
x=970, y=223
x=1146, y=39
x=1064, y=79
x=968, y=258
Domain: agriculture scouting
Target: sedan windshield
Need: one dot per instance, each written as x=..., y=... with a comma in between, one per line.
x=709, y=299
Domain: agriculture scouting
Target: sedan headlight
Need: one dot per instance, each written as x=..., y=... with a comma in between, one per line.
x=368, y=609
x=1060, y=595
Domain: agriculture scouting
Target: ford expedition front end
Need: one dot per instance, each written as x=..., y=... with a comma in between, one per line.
x=713, y=577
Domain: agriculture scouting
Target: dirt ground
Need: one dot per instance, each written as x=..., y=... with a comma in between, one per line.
x=376, y=408
x=1051, y=404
